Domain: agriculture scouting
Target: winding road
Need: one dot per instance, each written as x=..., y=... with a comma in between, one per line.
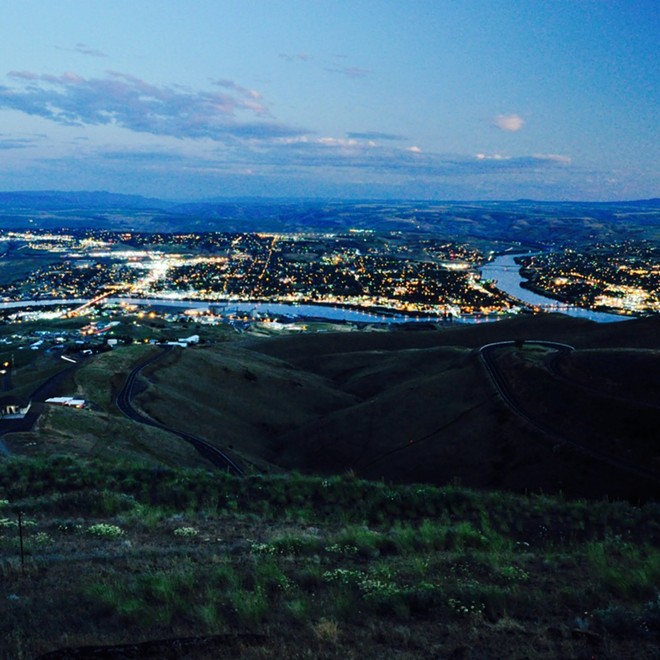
x=504, y=390
x=123, y=402
x=37, y=397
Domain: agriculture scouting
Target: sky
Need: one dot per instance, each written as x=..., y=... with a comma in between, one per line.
x=356, y=99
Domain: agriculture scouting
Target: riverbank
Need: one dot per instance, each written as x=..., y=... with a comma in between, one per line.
x=505, y=273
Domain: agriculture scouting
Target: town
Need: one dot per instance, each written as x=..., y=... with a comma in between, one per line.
x=624, y=276
x=410, y=275
x=359, y=269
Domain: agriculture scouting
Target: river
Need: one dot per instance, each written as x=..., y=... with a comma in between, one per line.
x=505, y=272
x=226, y=308
x=503, y=269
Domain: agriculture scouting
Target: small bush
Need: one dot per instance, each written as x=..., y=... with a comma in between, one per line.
x=41, y=539
x=327, y=631
x=186, y=532
x=106, y=531
x=270, y=578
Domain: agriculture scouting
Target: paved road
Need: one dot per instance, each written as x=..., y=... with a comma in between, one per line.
x=504, y=390
x=213, y=454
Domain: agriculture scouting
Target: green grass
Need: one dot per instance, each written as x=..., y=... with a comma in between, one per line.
x=100, y=379
x=483, y=566
x=90, y=433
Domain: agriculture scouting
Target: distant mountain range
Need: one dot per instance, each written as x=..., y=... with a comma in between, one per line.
x=58, y=200
x=52, y=200
x=531, y=223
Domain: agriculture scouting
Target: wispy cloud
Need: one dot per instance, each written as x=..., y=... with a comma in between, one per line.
x=84, y=49
x=335, y=65
x=242, y=91
x=295, y=57
x=492, y=162
x=129, y=102
x=8, y=143
x=349, y=71
x=554, y=158
x=375, y=135
x=301, y=165
x=365, y=155
x=508, y=123
x=141, y=156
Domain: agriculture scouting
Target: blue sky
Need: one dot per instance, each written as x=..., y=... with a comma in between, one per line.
x=426, y=99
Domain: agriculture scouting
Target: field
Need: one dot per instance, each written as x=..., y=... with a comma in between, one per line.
x=307, y=567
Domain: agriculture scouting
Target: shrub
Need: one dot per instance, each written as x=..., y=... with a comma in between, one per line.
x=186, y=532
x=295, y=545
x=106, y=531
x=270, y=578
x=624, y=568
x=326, y=630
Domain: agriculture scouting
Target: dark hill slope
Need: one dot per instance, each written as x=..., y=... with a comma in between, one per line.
x=238, y=398
x=419, y=406
x=581, y=333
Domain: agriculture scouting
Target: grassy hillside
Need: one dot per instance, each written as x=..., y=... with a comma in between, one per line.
x=237, y=398
x=100, y=431
x=201, y=565
x=419, y=406
x=317, y=552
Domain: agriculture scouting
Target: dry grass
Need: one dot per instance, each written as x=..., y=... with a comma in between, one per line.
x=99, y=379
x=233, y=397
x=93, y=434
x=326, y=631
x=403, y=406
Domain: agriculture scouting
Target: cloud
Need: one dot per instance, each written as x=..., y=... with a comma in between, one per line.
x=308, y=152
x=491, y=157
x=295, y=57
x=8, y=143
x=334, y=65
x=535, y=162
x=349, y=71
x=84, y=49
x=375, y=135
x=509, y=123
x=123, y=100
x=142, y=156
x=289, y=165
x=230, y=84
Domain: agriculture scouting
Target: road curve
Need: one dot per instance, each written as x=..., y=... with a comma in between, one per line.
x=123, y=402
x=36, y=397
x=502, y=386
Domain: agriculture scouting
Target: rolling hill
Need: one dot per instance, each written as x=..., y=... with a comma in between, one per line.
x=419, y=406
